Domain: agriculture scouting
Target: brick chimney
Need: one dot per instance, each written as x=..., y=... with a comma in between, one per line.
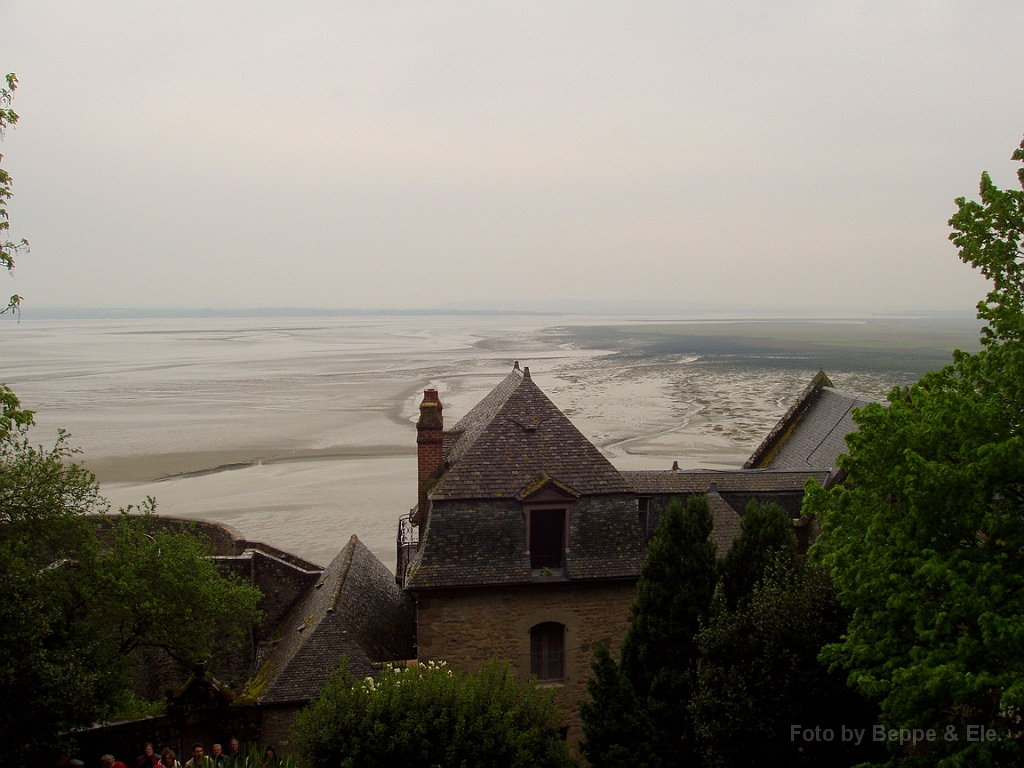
x=429, y=447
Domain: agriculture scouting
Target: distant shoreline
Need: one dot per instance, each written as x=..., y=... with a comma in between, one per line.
x=665, y=311
x=169, y=466
x=909, y=345
x=104, y=313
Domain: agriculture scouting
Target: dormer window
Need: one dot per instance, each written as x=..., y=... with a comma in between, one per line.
x=545, y=532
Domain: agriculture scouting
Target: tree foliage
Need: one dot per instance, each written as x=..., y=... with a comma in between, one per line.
x=431, y=716
x=760, y=675
x=73, y=606
x=766, y=534
x=617, y=729
x=159, y=589
x=926, y=541
x=673, y=594
x=55, y=669
x=659, y=653
x=8, y=248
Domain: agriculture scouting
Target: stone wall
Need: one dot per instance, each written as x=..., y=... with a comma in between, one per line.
x=282, y=584
x=276, y=727
x=223, y=539
x=468, y=627
x=282, y=578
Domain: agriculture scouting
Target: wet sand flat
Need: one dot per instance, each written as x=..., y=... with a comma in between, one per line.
x=301, y=431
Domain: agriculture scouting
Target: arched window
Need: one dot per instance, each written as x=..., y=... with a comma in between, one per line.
x=547, y=651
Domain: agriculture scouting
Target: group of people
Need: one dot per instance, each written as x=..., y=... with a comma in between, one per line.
x=218, y=758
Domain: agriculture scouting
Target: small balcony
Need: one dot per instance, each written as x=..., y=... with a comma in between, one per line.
x=407, y=542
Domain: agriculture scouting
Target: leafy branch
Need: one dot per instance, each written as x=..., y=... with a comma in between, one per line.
x=8, y=248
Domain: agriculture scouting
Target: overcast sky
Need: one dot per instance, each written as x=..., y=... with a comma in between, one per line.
x=736, y=153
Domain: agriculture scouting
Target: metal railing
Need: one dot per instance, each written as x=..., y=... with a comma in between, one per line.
x=407, y=542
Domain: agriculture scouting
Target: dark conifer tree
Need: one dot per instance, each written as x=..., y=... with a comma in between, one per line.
x=617, y=731
x=659, y=653
x=767, y=534
x=760, y=676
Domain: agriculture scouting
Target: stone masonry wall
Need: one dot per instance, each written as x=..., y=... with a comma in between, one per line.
x=468, y=627
x=282, y=584
x=276, y=728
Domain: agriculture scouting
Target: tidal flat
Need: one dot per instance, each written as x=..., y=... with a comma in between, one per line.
x=301, y=431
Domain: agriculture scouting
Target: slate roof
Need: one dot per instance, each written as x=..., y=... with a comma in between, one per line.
x=726, y=523
x=355, y=610
x=516, y=447
x=468, y=429
x=812, y=432
x=513, y=435
x=483, y=543
x=686, y=481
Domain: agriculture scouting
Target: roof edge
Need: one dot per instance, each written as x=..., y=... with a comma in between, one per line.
x=343, y=575
x=774, y=439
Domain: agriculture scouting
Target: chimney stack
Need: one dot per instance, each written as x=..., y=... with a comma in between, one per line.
x=429, y=447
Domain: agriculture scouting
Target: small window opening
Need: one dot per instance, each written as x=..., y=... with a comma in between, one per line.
x=547, y=651
x=547, y=538
x=643, y=506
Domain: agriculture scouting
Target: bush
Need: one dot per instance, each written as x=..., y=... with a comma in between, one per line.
x=431, y=716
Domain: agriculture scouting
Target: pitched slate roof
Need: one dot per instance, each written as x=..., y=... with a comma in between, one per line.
x=355, y=610
x=687, y=481
x=812, y=432
x=482, y=542
x=726, y=523
x=513, y=435
x=513, y=449
x=468, y=429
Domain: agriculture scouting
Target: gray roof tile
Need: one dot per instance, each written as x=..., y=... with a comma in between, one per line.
x=355, y=610
x=726, y=523
x=812, y=433
x=687, y=481
x=518, y=434
x=482, y=542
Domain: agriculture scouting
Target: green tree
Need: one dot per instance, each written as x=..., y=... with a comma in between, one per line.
x=431, y=716
x=8, y=248
x=73, y=607
x=760, y=676
x=766, y=534
x=926, y=541
x=617, y=731
x=55, y=672
x=157, y=588
x=659, y=653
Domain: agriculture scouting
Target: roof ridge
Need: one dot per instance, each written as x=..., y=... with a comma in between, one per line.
x=346, y=564
x=851, y=395
x=472, y=425
x=525, y=432
x=764, y=451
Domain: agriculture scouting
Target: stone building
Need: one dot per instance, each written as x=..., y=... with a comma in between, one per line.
x=526, y=543
x=529, y=543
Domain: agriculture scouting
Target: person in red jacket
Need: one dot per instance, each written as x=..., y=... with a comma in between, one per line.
x=148, y=758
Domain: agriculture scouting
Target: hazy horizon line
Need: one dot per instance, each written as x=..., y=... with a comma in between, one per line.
x=623, y=308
